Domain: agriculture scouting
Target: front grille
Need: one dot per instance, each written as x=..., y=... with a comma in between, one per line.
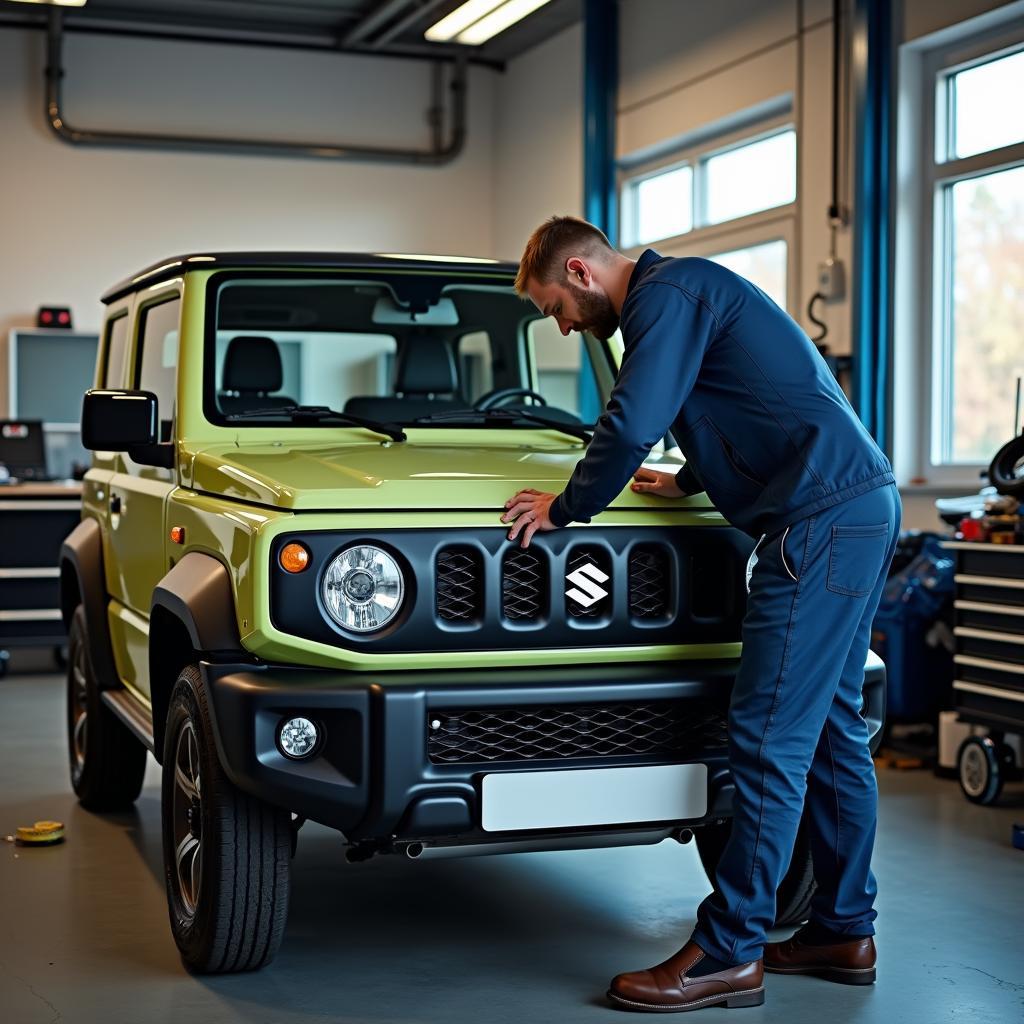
x=676, y=729
x=459, y=585
x=470, y=590
x=649, y=592
x=593, y=585
x=524, y=586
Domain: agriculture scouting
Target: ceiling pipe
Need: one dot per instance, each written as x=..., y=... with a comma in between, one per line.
x=424, y=10
x=374, y=20
x=76, y=25
x=440, y=152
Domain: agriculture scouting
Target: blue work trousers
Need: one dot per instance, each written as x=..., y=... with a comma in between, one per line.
x=796, y=735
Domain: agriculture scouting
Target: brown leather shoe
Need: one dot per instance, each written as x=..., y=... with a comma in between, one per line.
x=850, y=963
x=667, y=987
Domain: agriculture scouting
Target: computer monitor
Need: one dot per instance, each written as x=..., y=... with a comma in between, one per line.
x=49, y=372
x=23, y=449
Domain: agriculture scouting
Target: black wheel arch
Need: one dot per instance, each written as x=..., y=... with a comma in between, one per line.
x=82, y=582
x=191, y=619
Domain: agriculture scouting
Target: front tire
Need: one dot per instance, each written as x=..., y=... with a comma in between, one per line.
x=795, y=892
x=227, y=855
x=107, y=762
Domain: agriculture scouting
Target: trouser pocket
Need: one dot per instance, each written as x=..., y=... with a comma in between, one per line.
x=855, y=558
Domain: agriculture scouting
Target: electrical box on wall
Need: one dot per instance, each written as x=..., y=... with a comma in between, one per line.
x=831, y=279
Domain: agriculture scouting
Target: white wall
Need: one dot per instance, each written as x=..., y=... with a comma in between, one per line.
x=538, y=140
x=73, y=220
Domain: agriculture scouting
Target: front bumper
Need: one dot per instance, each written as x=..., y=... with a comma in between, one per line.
x=374, y=777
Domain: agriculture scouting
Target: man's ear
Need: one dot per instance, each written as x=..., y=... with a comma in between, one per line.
x=579, y=270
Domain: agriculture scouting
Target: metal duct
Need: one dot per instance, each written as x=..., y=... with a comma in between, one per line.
x=439, y=153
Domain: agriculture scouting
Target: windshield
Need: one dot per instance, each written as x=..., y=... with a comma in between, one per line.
x=393, y=350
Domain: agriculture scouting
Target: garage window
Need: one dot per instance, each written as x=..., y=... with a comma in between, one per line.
x=711, y=188
x=979, y=244
x=729, y=196
x=960, y=245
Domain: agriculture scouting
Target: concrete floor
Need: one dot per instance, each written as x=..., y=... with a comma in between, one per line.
x=527, y=938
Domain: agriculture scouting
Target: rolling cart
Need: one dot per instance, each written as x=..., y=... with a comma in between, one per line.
x=989, y=662
x=34, y=520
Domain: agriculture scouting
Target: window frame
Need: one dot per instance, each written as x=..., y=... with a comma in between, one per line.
x=923, y=371
x=138, y=348
x=104, y=379
x=777, y=223
x=696, y=155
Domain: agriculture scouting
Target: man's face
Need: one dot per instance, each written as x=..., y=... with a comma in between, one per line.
x=575, y=307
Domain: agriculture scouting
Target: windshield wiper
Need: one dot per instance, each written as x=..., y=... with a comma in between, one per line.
x=319, y=413
x=497, y=415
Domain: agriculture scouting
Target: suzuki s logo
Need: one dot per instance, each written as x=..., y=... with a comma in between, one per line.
x=586, y=592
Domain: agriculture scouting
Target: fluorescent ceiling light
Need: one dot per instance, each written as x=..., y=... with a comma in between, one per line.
x=54, y=3
x=461, y=18
x=476, y=21
x=501, y=19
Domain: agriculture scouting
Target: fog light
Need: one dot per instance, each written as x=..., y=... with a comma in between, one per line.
x=298, y=738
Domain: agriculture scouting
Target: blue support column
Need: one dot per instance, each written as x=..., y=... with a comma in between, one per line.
x=600, y=92
x=873, y=63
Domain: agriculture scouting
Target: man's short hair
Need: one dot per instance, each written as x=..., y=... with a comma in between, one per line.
x=553, y=243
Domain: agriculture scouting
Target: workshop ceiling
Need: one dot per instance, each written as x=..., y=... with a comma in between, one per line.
x=367, y=25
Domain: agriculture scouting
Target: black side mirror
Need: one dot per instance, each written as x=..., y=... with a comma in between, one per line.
x=125, y=421
x=113, y=421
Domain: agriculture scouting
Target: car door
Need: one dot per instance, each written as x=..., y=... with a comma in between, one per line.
x=138, y=495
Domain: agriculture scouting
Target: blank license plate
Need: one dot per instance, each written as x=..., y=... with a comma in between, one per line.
x=593, y=796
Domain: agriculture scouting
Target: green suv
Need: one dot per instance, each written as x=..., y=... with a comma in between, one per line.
x=291, y=584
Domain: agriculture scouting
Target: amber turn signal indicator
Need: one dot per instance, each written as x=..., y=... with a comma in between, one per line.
x=178, y=534
x=294, y=557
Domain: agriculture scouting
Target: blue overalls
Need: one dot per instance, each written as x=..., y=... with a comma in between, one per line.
x=771, y=437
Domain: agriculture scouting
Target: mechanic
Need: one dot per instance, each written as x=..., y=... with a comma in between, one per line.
x=770, y=436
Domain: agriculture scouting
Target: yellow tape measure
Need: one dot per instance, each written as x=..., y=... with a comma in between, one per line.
x=41, y=833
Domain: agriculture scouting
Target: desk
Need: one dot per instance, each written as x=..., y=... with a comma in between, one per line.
x=34, y=520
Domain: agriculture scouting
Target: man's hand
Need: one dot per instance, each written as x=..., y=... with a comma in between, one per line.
x=529, y=508
x=652, y=481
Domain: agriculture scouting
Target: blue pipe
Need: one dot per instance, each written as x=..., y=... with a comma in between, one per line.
x=873, y=60
x=600, y=193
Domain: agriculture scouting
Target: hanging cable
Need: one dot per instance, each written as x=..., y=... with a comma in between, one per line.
x=820, y=337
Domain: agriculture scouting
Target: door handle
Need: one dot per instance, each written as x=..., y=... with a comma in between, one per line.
x=115, y=504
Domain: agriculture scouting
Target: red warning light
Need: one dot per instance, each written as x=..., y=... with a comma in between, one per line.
x=53, y=316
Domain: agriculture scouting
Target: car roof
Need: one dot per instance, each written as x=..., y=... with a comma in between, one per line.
x=174, y=266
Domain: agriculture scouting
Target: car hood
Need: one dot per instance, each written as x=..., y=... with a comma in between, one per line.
x=400, y=477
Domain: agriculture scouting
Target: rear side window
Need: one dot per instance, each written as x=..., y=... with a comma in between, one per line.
x=114, y=353
x=158, y=358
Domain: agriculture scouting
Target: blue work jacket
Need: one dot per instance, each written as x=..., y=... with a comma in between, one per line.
x=765, y=428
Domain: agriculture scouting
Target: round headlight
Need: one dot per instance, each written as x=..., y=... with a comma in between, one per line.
x=297, y=738
x=363, y=588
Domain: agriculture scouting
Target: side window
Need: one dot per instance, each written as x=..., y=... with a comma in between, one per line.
x=114, y=353
x=158, y=358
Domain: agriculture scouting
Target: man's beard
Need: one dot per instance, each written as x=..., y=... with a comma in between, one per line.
x=595, y=312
